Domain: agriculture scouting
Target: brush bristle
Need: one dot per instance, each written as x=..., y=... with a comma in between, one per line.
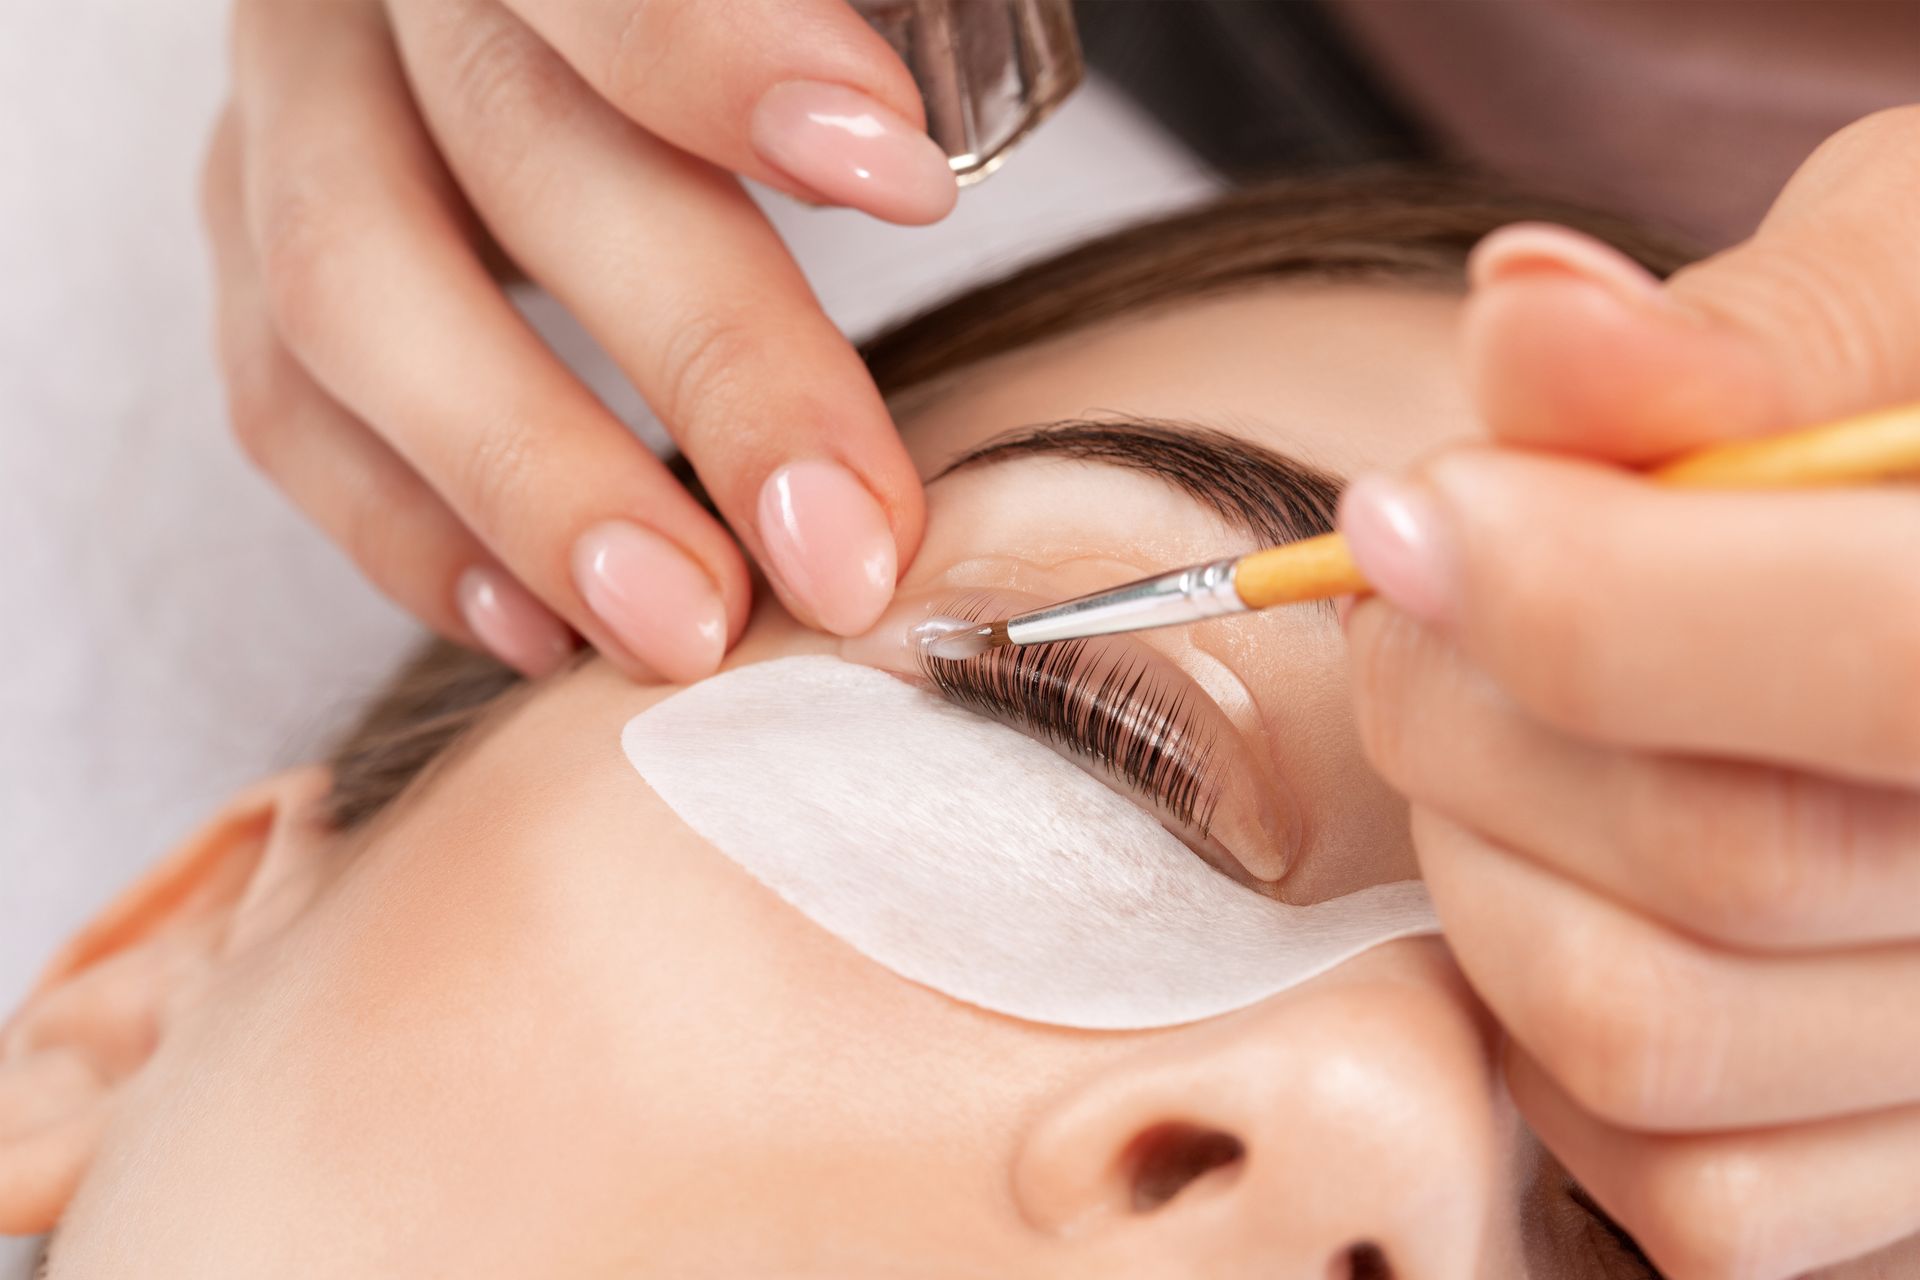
x=956, y=641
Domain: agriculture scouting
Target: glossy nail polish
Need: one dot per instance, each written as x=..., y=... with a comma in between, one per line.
x=1531, y=250
x=659, y=604
x=829, y=543
x=514, y=626
x=1394, y=529
x=850, y=149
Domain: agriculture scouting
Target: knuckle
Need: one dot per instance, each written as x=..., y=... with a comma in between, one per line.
x=700, y=372
x=1739, y=847
x=300, y=234
x=509, y=90
x=1621, y=1029
x=497, y=476
x=650, y=30
x=1704, y=1211
x=1846, y=329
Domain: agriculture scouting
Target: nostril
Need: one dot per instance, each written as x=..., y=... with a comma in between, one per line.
x=1168, y=1158
x=1366, y=1262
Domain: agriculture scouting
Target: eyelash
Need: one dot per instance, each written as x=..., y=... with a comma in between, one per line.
x=1106, y=707
x=1615, y=1232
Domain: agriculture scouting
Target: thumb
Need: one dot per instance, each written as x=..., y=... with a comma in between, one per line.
x=1572, y=346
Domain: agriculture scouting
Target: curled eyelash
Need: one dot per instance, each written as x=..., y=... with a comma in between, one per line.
x=1105, y=706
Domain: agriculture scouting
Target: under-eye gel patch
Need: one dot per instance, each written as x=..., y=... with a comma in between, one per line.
x=963, y=855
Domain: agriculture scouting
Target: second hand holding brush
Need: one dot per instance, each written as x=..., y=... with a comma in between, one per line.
x=1860, y=450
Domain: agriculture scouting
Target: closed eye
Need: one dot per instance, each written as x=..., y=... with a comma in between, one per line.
x=1135, y=719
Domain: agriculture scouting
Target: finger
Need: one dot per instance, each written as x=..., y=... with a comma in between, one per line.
x=1765, y=1205
x=1571, y=346
x=1778, y=627
x=369, y=502
x=1651, y=1030
x=681, y=279
x=376, y=289
x=801, y=94
x=1745, y=855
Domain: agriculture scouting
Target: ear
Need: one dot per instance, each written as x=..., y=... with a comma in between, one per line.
x=104, y=1004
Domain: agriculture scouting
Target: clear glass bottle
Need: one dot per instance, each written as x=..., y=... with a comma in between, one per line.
x=988, y=70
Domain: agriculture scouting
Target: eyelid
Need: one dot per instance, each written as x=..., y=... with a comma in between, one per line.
x=1120, y=693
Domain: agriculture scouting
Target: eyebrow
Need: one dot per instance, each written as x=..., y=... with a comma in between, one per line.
x=1272, y=496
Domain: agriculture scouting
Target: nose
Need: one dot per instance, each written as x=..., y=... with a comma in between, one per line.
x=1348, y=1130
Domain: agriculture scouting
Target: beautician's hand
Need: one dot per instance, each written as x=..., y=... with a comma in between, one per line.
x=1664, y=747
x=373, y=157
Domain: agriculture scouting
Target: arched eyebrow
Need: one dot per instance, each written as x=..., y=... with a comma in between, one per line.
x=1274, y=497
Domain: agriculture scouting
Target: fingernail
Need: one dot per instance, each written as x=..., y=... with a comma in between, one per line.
x=515, y=627
x=653, y=597
x=851, y=150
x=829, y=543
x=1395, y=531
x=1531, y=250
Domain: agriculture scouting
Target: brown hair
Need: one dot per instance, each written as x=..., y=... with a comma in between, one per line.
x=1389, y=226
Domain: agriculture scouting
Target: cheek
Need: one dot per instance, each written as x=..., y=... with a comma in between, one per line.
x=619, y=981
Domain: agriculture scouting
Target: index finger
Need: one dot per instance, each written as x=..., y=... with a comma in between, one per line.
x=1771, y=627
x=802, y=95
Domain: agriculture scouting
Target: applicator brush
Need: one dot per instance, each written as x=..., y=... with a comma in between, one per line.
x=1875, y=446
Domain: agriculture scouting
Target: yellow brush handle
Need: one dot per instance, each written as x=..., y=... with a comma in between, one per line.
x=1311, y=569
x=1873, y=446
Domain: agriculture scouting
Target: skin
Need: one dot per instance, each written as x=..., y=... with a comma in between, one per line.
x=1680, y=868
x=379, y=158
x=529, y=1024
x=367, y=145
x=1733, y=1094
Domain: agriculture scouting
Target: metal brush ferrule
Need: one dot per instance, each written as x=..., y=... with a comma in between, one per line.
x=1185, y=595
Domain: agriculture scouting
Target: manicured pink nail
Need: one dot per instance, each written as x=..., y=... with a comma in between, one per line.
x=830, y=544
x=1535, y=249
x=851, y=150
x=661, y=605
x=1394, y=529
x=515, y=627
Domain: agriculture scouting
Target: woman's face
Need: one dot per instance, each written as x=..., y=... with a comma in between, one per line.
x=532, y=1024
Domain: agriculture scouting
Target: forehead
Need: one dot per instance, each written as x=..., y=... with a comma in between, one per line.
x=1347, y=377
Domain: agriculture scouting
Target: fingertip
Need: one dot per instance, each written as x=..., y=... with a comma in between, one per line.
x=510, y=623
x=1536, y=250
x=657, y=602
x=1399, y=535
x=1559, y=360
x=853, y=150
x=829, y=543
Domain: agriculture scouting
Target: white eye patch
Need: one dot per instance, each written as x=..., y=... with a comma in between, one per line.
x=965, y=856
